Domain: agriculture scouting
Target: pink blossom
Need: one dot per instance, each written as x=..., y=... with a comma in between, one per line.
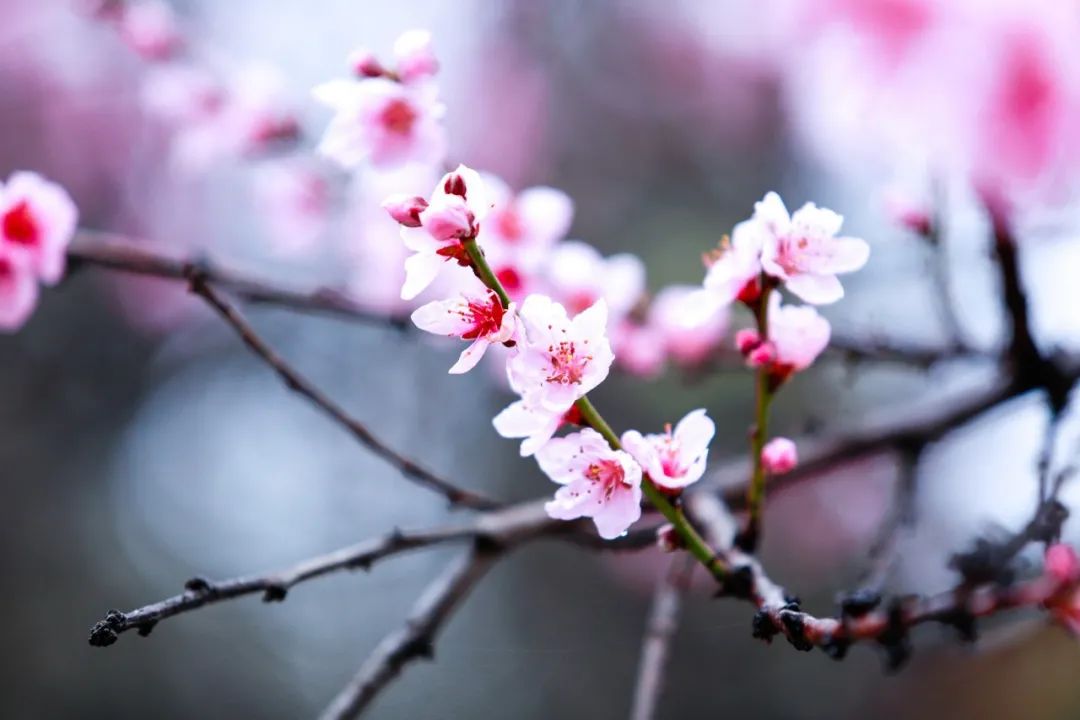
x=458, y=203
x=1027, y=113
x=150, y=29
x=533, y=423
x=909, y=211
x=294, y=199
x=415, y=59
x=37, y=221
x=597, y=482
x=779, y=456
x=258, y=114
x=559, y=360
x=383, y=122
x=481, y=319
x=674, y=459
x=684, y=336
x=1062, y=563
x=734, y=275
x=521, y=230
x=376, y=253
x=803, y=250
x=577, y=275
x=798, y=333
x=1063, y=566
x=18, y=291
x=639, y=348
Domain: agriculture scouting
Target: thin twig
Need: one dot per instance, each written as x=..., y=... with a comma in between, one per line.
x=883, y=350
x=200, y=285
x=117, y=252
x=273, y=586
x=507, y=527
x=659, y=633
x=901, y=514
x=415, y=639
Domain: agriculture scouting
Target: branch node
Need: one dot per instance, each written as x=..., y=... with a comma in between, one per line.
x=963, y=621
x=859, y=602
x=146, y=628
x=795, y=628
x=198, y=585
x=894, y=638
x=738, y=583
x=763, y=627
x=275, y=592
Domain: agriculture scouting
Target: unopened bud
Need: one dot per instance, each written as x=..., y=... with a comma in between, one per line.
x=405, y=209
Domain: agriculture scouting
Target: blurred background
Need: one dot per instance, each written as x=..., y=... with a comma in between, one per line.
x=143, y=444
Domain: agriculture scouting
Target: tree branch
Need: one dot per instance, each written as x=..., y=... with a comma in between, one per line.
x=662, y=625
x=861, y=619
x=116, y=252
x=919, y=428
x=900, y=515
x=416, y=638
x=200, y=285
x=508, y=527
x=882, y=350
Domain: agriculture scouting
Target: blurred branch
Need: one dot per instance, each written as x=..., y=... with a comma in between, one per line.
x=662, y=624
x=900, y=515
x=874, y=349
x=200, y=285
x=507, y=527
x=116, y=252
x=415, y=639
x=1026, y=363
x=920, y=427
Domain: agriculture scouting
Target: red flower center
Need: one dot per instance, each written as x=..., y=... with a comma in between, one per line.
x=608, y=473
x=399, y=117
x=567, y=367
x=486, y=318
x=20, y=226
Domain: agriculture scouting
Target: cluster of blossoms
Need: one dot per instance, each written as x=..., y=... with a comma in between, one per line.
x=37, y=221
x=561, y=312
x=386, y=116
x=557, y=328
x=212, y=118
x=388, y=120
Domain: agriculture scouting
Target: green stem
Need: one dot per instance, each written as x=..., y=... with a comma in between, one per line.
x=695, y=544
x=483, y=270
x=763, y=394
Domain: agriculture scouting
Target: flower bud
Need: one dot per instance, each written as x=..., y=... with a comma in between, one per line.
x=448, y=218
x=762, y=355
x=416, y=60
x=405, y=209
x=364, y=64
x=779, y=456
x=746, y=340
